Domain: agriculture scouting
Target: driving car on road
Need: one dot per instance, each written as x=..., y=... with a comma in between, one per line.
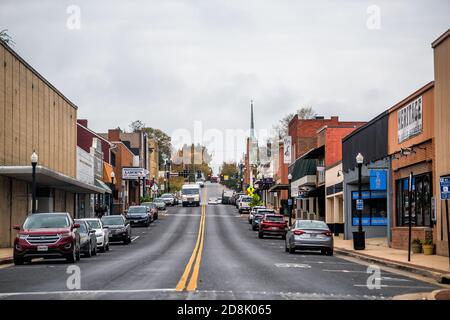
x=101, y=233
x=139, y=216
x=257, y=216
x=212, y=201
x=160, y=204
x=200, y=183
x=309, y=235
x=88, y=240
x=153, y=209
x=272, y=225
x=169, y=199
x=190, y=194
x=252, y=213
x=119, y=228
x=47, y=235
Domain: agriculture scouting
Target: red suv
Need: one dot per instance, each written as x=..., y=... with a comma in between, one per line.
x=47, y=235
x=272, y=224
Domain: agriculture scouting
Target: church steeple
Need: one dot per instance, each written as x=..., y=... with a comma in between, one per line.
x=252, y=123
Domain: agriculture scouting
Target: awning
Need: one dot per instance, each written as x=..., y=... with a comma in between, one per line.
x=303, y=167
x=279, y=187
x=49, y=178
x=107, y=171
x=104, y=186
x=314, y=153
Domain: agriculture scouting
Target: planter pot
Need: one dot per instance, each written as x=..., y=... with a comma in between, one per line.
x=428, y=249
x=416, y=248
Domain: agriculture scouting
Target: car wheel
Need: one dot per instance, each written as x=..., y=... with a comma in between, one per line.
x=329, y=252
x=107, y=247
x=253, y=228
x=102, y=249
x=78, y=255
x=94, y=252
x=18, y=261
x=260, y=235
x=283, y=237
x=286, y=249
x=291, y=250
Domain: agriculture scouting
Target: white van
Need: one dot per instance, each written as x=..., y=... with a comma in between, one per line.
x=190, y=194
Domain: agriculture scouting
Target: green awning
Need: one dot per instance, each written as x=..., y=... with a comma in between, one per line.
x=101, y=184
x=303, y=167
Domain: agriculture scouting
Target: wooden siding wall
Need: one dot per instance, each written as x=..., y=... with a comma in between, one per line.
x=34, y=116
x=442, y=132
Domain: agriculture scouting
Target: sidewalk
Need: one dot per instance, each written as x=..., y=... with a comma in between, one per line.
x=6, y=255
x=377, y=251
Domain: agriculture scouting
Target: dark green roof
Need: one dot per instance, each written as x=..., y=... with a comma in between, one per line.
x=303, y=167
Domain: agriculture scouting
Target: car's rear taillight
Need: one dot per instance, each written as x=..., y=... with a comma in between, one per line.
x=298, y=232
x=327, y=233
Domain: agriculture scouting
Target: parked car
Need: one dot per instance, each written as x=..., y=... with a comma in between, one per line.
x=252, y=213
x=47, y=235
x=153, y=209
x=139, y=216
x=101, y=233
x=212, y=201
x=160, y=204
x=119, y=228
x=309, y=235
x=272, y=225
x=168, y=198
x=88, y=240
x=219, y=200
x=244, y=204
x=258, y=216
x=238, y=198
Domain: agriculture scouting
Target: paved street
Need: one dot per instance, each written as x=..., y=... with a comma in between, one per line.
x=183, y=256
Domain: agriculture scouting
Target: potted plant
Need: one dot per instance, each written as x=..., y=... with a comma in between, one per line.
x=416, y=246
x=428, y=247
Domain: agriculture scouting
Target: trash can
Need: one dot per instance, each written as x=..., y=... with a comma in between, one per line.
x=359, y=240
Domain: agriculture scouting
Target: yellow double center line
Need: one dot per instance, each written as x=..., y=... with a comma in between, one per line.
x=196, y=257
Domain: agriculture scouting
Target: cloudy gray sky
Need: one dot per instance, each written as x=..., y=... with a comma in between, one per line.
x=170, y=63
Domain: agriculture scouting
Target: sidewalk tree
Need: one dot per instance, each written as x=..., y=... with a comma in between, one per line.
x=303, y=113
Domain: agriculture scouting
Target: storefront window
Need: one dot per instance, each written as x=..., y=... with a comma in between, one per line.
x=374, y=210
x=420, y=201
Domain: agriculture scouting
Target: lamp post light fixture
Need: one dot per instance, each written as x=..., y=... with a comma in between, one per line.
x=290, y=199
x=359, y=242
x=111, y=205
x=34, y=161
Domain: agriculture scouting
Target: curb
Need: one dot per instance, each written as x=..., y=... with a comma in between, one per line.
x=423, y=271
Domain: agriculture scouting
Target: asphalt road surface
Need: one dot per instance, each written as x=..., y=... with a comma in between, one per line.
x=206, y=252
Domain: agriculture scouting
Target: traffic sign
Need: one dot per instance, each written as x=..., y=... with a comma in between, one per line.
x=445, y=188
x=155, y=187
x=250, y=190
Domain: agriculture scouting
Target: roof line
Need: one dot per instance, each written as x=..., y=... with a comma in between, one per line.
x=440, y=39
x=95, y=133
x=16, y=55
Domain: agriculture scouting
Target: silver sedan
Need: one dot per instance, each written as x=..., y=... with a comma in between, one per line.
x=309, y=235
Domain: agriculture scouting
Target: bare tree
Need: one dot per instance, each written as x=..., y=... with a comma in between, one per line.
x=6, y=38
x=303, y=113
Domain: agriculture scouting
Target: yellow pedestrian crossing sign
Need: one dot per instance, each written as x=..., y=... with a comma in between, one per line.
x=250, y=190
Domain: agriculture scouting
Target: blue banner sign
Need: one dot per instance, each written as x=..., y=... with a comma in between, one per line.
x=364, y=221
x=359, y=204
x=445, y=188
x=378, y=179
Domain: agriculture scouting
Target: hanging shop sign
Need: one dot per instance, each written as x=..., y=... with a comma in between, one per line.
x=287, y=142
x=378, y=179
x=409, y=120
x=132, y=173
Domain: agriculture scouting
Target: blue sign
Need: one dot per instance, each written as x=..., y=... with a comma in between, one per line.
x=364, y=221
x=359, y=204
x=379, y=221
x=289, y=202
x=445, y=188
x=378, y=179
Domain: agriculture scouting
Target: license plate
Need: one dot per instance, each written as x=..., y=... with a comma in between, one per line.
x=135, y=221
x=274, y=228
x=42, y=248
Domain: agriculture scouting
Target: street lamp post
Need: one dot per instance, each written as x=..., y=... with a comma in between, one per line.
x=290, y=199
x=359, y=237
x=34, y=161
x=111, y=210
